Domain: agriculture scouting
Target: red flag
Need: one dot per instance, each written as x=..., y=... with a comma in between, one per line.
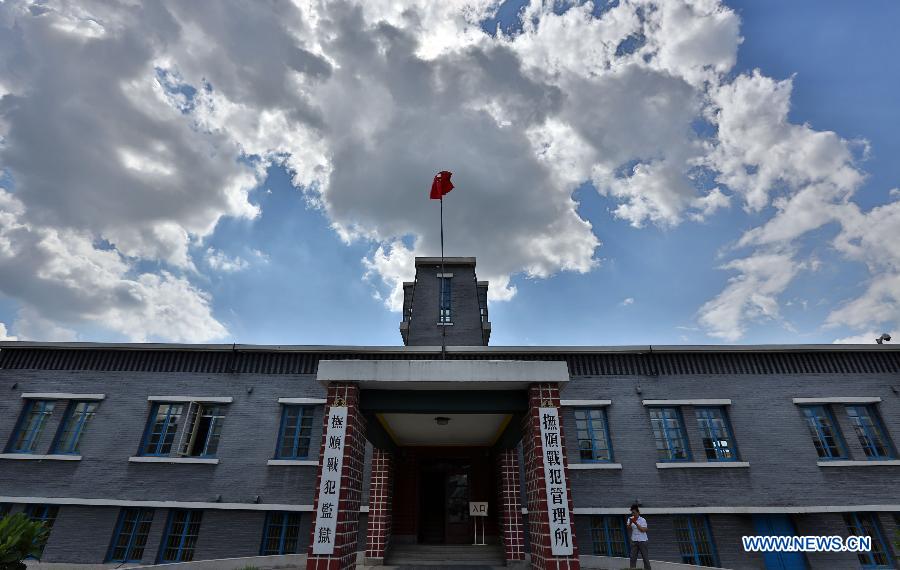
x=441, y=185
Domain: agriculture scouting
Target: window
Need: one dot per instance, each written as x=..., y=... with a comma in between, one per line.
x=180, y=538
x=593, y=435
x=870, y=431
x=31, y=425
x=75, y=422
x=865, y=524
x=695, y=540
x=718, y=442
x=199, y=437
x=668, y=429
x=281, y=535
x=444, y=316
x=295, y=434
x=43, y=513
x=609, y=536
x=825, y=435
x=130, y=536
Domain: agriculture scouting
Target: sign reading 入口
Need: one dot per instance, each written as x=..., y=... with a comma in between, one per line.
x=555, y=480
x=478, y=509
x=330, y=485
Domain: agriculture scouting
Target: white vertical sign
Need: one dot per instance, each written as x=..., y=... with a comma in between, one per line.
x=555, y=480
x=330, y=485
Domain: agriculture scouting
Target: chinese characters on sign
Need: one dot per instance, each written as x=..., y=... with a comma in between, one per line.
x=330, y=485
x=555, y=479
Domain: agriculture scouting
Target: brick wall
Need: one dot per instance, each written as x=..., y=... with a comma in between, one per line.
x=512, y=526
x=381, y=486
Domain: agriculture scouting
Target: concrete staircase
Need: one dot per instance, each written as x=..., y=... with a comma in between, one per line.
x=445, y=555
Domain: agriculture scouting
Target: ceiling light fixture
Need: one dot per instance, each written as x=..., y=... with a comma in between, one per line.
x=441, y=420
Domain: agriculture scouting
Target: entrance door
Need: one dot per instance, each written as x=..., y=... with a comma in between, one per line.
x=444, y=503
x=779, y=525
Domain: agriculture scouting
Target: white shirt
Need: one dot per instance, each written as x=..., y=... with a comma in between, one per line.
x=638, y=535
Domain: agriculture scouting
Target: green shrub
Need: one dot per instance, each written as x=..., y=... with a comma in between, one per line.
x=20, y=537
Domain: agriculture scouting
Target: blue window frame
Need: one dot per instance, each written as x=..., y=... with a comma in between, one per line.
x=592, y=430
x=161, y=427
x=715, y=430
x=31, y=426
x=295, y=433
x=695, y=540
x=203, y=430
x=871, y=433
x=281, y=534
x=866, y=524
x=130, y=536
x=180, y=537
x=444, y=300
x=608, y=536
x=75, y=422
x=825, y=434
x=668, y=430
x=43, y=513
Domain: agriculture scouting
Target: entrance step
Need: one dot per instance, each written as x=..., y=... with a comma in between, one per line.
x=445, y=555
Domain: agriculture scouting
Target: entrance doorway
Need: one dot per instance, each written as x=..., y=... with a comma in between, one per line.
x=432, y=490
x=444, y=496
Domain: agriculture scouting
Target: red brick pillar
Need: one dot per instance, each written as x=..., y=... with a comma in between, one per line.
x=512, y=527
x=540, y=511
x=350, y=491
x=380, y=494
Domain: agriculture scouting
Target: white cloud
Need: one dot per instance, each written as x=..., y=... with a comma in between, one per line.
x=4, y=335
x=219, y=261
x=627, y=301
x=160, y=120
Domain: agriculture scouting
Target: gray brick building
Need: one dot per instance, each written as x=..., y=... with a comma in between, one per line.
x=153, y=453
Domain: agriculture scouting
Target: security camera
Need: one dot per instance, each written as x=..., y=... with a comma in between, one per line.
x=882, y=338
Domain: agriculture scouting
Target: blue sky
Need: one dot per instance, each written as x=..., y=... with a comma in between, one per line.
x=301, y=257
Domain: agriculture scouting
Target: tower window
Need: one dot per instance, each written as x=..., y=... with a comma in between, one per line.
x=444, y=301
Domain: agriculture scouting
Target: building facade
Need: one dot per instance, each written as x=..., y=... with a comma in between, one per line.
x=142, y=454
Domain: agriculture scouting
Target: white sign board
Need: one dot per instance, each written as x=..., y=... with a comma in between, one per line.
x=478, y=509
x=330, y=485
x=555, y=479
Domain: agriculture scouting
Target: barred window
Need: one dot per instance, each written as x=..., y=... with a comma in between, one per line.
x=281, y=534
x=695, y=541
x=668, y=430
x=718, y=441
x=608, y=536
x=180, y=538
x=825, y=435
x=866, y=524
x=295, y=433
x=130, y=535
x=870, y=431
x=43, y=513
x=31, y=425
x=592, y=431
x=76, y=420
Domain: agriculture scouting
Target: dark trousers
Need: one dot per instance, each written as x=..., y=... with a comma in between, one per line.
x=640, y=546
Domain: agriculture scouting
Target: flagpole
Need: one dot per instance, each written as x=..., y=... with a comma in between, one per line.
x=441, y=287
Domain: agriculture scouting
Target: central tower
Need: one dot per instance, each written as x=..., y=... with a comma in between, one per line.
x=449, y=305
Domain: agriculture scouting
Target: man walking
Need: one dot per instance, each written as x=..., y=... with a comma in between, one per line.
x=638, y=526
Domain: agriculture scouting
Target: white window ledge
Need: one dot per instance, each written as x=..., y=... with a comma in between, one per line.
x=701, y=464
x=34, y=456
x=302, y=400
x=201, y=399
x=852, y=463
x=839, y=400
x=585, y=403
x=595, y=466
x=292, y=462
x=445, y=324
x=62, y=396
x=690, y=402
x=142, y=459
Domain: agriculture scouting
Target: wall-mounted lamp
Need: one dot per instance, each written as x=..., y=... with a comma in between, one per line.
x=441, y=420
